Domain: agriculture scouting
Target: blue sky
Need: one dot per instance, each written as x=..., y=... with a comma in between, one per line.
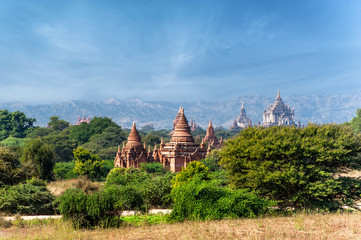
x=168, y=50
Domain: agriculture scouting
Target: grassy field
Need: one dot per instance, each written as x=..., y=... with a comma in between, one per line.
x=299, y=226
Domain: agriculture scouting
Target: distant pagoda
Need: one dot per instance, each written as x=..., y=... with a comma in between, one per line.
x=278, y=114
x=211, y=137
x=242, y=121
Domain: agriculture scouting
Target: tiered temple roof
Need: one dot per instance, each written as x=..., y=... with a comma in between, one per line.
x=211, y=137
x=81, y=120
x=278, y=113
x=134, y=153
x=173, y=155
x=242, y=121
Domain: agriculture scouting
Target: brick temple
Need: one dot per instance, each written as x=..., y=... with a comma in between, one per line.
x=181, y=150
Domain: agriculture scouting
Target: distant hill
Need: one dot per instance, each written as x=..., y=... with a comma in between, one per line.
x=312, y=108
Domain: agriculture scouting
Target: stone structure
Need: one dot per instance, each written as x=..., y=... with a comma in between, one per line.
x=173, y=155
x=194, y=126
x=278, y=114
x=133, y=153
x=242, y=121
x=211, y=137
x=81, y=120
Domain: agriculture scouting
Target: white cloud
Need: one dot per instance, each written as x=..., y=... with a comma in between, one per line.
x=179, y=59
x=60, y=37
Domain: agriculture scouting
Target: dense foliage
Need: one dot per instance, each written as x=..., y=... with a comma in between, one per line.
x=199, y=196
x=203, y=200
x=65, y=170
x=31, y=197
x=299, y=167
x=14, y=124
x=356, y=121
x=102, y=208
x=38, y=158
x=154, y=187
x=88, y=164
x=10, y=171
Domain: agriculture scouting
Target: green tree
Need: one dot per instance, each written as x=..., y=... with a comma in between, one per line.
x=57, y=124
x=39, y=132
x=151, y=139
x=84, y=131
x=147, y=128
x=31, y=197
x=212, y=161
x=194, y=169
x=62, y=147
x=38, y=159
x=88, y=164
x=14, y=124
x=296, y=166
x=9, y=167
x=356, y=121
x=110, y=137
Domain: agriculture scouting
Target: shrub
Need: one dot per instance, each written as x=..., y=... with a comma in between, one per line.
x=202, y=200
x=125, y=176
x=64, y=170
x=10, y=173
x=29, y=198
x=89, y=164
x=101, y=209
x=195, y=169
x=155, y=190
x=153, y=168
x=212, y=161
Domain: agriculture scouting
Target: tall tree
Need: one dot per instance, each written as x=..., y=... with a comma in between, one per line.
x=57, y=124
x=38, y=160
x=14, y=124
x=88, y=164
x=298, y=167
x=356, y=121
x=84, y=131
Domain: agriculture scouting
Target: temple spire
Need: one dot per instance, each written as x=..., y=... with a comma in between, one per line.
x=278, y=95
x=242, y=104
x=134, y=138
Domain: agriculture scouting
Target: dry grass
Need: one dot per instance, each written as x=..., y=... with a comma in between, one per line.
x=301, y=226
x=57, y=188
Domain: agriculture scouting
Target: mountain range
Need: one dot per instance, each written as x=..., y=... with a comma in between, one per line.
x=308, y=108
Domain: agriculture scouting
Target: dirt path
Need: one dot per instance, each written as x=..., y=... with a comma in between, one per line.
x=125, y=213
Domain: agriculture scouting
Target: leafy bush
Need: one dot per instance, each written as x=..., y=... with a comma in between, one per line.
x=102, y=208
x=203, y=200
x=10, y=172
x=125, y=176
x=155, y=190
x=29, y=198
x=89, y=164
x=212, y=161
x=154, y=167
x=195, y=169
x=64, y=170
x=296, y=166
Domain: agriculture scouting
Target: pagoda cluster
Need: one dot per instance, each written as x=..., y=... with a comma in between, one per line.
x=180, y=151
x=277, y=114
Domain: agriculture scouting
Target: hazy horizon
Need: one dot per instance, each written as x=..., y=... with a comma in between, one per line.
x=55, y=51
